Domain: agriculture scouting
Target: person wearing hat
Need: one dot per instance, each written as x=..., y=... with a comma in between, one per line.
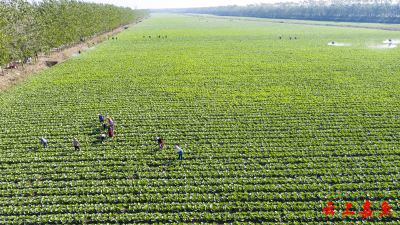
x=180, y=152
x=103, y=137
x=160, y=143
x=77, y=145
x=101, y=118
x=43, y=141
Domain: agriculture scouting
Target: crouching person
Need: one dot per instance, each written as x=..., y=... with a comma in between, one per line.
x=103, y=137
x=101, y=118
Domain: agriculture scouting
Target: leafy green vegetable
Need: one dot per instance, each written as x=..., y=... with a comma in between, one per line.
x=272, y=129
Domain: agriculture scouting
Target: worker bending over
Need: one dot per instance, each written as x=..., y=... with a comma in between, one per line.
x=103, y=137
x=110, y=132
x=160, y=143
x=111, y=122
x=179, y=151
x=77, y=145
x=101, y=118
x=43, y=141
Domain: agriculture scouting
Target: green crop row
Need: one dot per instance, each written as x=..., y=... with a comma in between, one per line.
x=271, y=130
x=143, y=217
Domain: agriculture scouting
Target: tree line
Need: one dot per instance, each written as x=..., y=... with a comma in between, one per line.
x=28, y=29
x=373, y=11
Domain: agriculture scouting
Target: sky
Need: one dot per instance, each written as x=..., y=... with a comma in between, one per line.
x=159, y=4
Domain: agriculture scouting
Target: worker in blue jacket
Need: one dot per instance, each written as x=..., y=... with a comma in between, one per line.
x=101, y=118
x=43, y=141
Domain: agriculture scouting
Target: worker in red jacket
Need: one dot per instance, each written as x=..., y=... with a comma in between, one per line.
x=111, y=122
x=110, y=132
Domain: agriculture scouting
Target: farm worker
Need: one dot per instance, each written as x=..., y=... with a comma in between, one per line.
x=180, y=152
x=110, y=132
x=280, y=37
x=290, y=38
x=165, y=36
x=333, y=42
x=105, y=126
x=101, y=118
x=43, y=141
x=116, y=38
x=144, y=36
x=295, y=37
x=160, y=143
x=76, y=144
x=103, y=137
x=111, y=122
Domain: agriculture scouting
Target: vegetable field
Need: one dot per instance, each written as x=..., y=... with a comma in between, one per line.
x=272, y=130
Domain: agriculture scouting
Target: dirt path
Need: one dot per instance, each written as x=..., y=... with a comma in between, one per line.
x=291, y=22
x=10, y=77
